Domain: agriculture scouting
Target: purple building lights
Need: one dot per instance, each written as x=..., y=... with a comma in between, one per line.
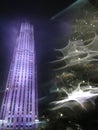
x=19, y=106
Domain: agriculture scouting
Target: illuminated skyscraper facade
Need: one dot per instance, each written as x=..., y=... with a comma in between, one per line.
x=19, y=106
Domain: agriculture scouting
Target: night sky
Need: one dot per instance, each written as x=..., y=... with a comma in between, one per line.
x=39, y=12
x=35, y=8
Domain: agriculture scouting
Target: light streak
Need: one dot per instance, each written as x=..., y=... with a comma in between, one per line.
x=19, y=106
x=79, y=96
x=76, y=53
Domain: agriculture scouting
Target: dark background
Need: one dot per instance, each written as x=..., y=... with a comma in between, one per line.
x=37, y=8
x=39, y=12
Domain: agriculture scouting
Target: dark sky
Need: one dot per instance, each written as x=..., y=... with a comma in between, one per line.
x=38, y=8
x=45, y=30
x=40, y=13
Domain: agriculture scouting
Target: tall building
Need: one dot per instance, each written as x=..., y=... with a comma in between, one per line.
x=19, y=106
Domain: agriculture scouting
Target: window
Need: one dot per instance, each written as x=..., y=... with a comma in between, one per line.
x=17, y=119
x=12, y=119
x=21, y=119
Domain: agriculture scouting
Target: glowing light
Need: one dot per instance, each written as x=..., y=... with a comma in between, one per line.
x=7, y=88
x=21, y=98
x=47, y=120
x=93, y=25
x=78, y=95
x=57, y=89
x=36, y=120
x=76, y=50
x=90, y=51
x=3, y=121
x=39, y=122
x=61, y=114
x=83, y=81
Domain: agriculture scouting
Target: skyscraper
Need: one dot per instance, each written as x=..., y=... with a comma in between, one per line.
x=19, y=106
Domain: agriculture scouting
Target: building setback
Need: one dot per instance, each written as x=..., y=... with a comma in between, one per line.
x=19, y=106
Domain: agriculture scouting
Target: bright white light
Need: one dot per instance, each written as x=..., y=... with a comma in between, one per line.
x=83, y=81
x=36, y=120
x=72, y=52
x=76, y=50
x=39, y=122
x=57, y=89
x=7, y=88
x=61, y=114
x=78, y=95
x=3, y=121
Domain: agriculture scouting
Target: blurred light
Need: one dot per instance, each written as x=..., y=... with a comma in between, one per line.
x=76, y=51
x=36, y=120
x=7, y=88
x=61, y=114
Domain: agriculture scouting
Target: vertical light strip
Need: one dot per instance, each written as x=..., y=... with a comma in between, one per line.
x=19, y=106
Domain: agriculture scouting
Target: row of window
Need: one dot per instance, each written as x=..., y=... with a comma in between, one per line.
x=21, y=94
x=19, y=119
x=25, y=52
